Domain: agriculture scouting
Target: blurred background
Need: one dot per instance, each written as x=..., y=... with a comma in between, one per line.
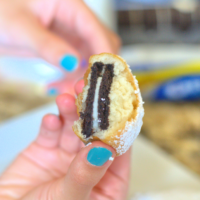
x=162, y=40
x=161, y=43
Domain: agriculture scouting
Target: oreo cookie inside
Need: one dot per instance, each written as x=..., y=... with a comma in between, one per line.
x=95, y=116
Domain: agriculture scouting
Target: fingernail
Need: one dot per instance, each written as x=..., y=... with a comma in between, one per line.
x=84, y=63
x=69, y=63
x=98, y=156
x=52, y=92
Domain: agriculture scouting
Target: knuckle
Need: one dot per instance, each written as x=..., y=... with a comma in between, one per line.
x=82, y=178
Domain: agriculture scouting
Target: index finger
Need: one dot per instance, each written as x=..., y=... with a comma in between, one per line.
x=79, y=86
x=86, y=25
x=94, y=33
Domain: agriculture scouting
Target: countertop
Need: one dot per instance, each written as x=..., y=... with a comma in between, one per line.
x=16, y=99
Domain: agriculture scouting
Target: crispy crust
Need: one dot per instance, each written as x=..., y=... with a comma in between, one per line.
x=122, y=139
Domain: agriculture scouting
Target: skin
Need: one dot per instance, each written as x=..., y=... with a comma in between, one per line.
x=52, y=28
x=54, y=166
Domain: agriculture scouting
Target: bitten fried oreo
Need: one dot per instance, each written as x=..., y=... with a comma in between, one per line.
x=110, y=108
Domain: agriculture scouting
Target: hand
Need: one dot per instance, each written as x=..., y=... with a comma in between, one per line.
x=63, y=32
x=55, y=165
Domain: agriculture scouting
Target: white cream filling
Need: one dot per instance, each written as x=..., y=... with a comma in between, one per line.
x=95, y=103
x=95, y=106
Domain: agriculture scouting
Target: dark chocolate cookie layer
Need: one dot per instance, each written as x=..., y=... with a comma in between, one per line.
x=104, y=100
x=87, y=115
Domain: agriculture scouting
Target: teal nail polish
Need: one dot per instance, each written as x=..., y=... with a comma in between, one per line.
x=98, y=156
x=52, y=92
x=69, y=63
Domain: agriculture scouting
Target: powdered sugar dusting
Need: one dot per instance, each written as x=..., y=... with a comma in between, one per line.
x=136, y=91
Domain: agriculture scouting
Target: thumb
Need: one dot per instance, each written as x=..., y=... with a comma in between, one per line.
x=86, y=170
x=46, y=44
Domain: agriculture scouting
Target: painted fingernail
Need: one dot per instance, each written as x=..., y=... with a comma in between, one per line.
x=98, y=156
x=69, y=63
x=84, y=63
x=52, y=92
